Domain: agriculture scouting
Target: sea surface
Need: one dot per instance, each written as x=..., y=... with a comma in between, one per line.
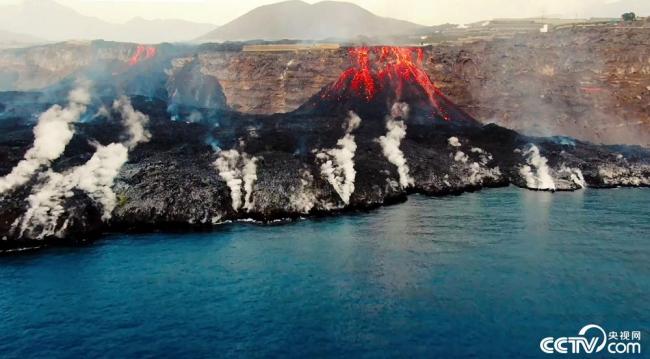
x=485, y=274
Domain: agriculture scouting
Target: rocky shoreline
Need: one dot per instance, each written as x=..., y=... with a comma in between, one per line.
x=94, y=161
x=172, y=183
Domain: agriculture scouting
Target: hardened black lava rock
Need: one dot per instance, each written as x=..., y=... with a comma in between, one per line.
x=173, y=182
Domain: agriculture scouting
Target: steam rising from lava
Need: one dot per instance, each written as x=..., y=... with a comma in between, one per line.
x=134, y=121
x=304, y=199
x=474, y=171
x=95, y=178
x=574, y=175
x=237, y=170
x=338, y=163
x=536, y=173
x=52, y=134
x=391, y=142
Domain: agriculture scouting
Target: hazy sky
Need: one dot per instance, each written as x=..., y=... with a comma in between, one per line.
x=426, y=12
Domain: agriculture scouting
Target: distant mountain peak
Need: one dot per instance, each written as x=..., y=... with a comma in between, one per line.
x=296, y=19
x=45, y=4
x=53, y=21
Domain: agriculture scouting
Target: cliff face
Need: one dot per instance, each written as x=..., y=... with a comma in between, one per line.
x=589, y=83
x=42, y=66
x=272, y=82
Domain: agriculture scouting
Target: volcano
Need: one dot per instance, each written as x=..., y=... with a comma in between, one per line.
x=380, y=131
x=382, y=76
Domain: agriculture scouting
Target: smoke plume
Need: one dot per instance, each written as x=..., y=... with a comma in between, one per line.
x=338, y=163
x=460, y=156
x=250, y=176
x=574, y=174
x=95, y=178
x=52, y=134
x=238, y=170
x=476, y=171
x=391, y=142
x=134, y=121
x=303, y=200
x=536, y=172
x=453, y=141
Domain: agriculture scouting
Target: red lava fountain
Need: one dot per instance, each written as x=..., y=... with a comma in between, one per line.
x=379, y=67
x=142, y=52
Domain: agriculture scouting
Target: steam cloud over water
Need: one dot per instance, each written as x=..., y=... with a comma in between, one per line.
x=391, y=142
x=95, y=178
x=240, y=173
x=536, y=173
x=338, y=163
x=52, y=134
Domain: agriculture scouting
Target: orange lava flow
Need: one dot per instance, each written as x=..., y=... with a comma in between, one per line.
x=142, y=52
x=360, y=77
x=387, y=66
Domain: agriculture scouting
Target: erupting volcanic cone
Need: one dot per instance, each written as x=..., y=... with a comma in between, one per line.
x=382, y=76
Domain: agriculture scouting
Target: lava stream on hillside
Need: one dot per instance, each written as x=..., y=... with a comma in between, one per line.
x=389, y=71
x=142, y=52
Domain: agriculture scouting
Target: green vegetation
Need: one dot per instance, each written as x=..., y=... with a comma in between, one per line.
x=122, y=200
x=629, y=16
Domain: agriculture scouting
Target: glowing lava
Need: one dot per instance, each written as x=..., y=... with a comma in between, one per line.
x=360, y=77
x=379, y=68
x=142, y=52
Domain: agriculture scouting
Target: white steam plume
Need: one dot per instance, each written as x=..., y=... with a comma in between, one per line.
x=237, y=170
x=226, y=164
x=303, y=200
x=45, y=207
x=134, y=121
x=484, y=156
x=391, y=142
x=250, y=176
x=536, y=172
x=460, y=156
x=453, y=141
x=338, y=163
x=477, y=171
x=95, y=178
x=575, y=176
x=52, y=134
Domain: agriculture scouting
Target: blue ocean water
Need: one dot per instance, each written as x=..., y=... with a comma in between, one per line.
x=484, y=274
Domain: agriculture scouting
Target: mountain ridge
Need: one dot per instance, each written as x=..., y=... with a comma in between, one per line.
x=10, y=39
x=298, y=20
x=60, y=23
